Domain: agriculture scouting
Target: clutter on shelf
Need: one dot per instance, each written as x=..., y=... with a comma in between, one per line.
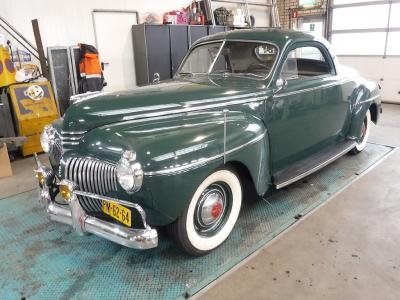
x=201, y=13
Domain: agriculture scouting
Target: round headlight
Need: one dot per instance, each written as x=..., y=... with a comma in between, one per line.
x=129, y=172
x=46, y=138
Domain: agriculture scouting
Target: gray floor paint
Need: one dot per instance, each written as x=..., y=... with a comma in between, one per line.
x=347, y=249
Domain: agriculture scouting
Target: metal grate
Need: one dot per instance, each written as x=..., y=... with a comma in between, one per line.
x=91, y=176
x=73, y=267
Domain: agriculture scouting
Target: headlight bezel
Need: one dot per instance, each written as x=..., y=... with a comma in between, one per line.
x=47, y=138
x=129, y=172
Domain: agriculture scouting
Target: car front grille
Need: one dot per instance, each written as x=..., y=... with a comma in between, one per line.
x=91, y=176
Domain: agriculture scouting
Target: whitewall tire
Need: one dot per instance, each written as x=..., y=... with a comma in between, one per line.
x=211, y=215
x=365, y=131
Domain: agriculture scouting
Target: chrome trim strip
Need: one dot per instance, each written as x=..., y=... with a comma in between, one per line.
x=186, y=106
x=311, y=89
x=73, y=132
x=224, y=98
x=316, y=168
x=178, y=169
x=69, y=143
x=370, y=99
x=63, y=138
x=191, y=109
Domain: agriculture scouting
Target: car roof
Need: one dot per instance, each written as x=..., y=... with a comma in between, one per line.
x=277, y=36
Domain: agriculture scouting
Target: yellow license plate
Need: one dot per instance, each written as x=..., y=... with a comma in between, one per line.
x=117, y=212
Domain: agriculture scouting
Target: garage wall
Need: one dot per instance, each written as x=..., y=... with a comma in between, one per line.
x=69, y=22
x=358, y=35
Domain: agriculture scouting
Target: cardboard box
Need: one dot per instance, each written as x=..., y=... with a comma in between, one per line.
x=5, y=166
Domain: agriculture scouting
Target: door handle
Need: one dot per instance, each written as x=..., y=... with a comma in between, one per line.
x=103, y=64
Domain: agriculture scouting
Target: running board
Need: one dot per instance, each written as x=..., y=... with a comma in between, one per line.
x=312, y=164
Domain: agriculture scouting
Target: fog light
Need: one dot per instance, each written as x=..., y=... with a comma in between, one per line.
x=45, y=176
x=67, y=190
x=41, y=178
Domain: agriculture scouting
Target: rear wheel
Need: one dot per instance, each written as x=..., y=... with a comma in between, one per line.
x=211, y=215
x=365, y=130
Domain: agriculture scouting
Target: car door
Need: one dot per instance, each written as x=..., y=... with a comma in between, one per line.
x=309, y=111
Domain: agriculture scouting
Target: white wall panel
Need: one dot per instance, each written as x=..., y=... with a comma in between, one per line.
x=377, y=68
x=69, y=22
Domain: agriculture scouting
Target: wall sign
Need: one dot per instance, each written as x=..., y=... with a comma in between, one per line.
x=22, y=56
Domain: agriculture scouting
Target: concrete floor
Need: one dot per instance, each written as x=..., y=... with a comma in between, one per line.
x=23, y=178
x=347, y=249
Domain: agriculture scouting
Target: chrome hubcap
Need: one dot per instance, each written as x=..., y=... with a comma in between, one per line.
x=211, y=209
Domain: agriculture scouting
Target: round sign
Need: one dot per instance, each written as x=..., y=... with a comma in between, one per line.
x=34, y=92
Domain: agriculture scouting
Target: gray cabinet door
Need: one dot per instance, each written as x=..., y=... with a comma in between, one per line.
x=197, y=32
x=158, y=51
x=179, y=45
x=216, y=29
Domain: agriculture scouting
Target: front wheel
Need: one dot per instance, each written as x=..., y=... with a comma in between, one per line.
x=211, y=215
x=365, y=130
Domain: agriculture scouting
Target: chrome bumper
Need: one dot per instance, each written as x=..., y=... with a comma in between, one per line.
x=74, y=215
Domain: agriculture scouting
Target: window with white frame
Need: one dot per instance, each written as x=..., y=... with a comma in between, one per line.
x=366, y=27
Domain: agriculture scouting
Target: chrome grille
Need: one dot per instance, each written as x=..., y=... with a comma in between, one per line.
x=71, y=138
x=56, y=150
x=91, y=176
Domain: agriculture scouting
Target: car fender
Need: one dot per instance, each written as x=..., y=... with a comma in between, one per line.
x=363, y=98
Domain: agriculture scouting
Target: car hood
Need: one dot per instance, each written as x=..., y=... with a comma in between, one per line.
x=170, y=97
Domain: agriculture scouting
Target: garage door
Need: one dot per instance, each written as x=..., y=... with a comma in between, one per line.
x=365, y=35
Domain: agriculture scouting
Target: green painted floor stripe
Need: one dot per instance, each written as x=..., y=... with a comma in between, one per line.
x=46, y=260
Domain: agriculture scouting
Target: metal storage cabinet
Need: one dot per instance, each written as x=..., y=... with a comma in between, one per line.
x=197, y=32
x=216, y=29
x=179, y=36
x=151, y=44
x=161, y=48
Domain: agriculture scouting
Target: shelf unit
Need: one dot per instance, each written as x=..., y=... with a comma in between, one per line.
x=245, y=8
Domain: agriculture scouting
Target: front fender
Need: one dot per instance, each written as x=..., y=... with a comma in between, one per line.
x=178, y=152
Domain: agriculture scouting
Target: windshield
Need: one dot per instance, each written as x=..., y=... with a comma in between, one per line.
x=230, y=58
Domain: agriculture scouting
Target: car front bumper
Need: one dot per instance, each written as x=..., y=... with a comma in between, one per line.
x=73, y=214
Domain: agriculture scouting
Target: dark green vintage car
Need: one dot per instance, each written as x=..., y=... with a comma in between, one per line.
x=247, y=110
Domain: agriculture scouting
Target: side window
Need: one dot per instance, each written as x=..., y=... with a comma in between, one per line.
x=305, y=62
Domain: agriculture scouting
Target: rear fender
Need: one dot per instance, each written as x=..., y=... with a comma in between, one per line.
x=365, y=97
